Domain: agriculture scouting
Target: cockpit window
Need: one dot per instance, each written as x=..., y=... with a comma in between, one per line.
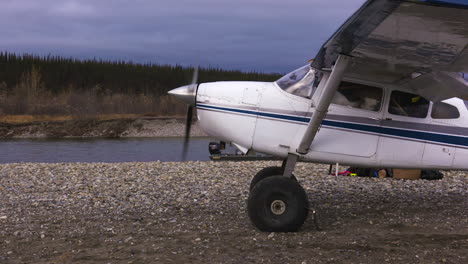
x=466, y=104
x=301, y=82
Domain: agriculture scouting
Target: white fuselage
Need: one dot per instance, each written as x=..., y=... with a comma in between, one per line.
x=261, y=116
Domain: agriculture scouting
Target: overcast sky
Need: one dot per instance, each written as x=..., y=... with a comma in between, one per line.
x=260, y=35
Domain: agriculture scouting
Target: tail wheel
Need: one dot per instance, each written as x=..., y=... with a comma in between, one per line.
x=267, y=172
x=278, y=204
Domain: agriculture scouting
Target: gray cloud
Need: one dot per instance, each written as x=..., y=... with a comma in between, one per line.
x=243, y=34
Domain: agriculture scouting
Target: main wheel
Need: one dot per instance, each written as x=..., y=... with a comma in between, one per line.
x=267, y=172
x=278, y=204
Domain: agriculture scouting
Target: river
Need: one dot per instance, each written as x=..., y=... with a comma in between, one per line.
x=101, y=150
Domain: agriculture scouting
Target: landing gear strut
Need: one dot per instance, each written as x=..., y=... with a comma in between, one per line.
x=277, y=202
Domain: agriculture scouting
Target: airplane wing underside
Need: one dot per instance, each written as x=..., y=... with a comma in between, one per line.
x=421, y=45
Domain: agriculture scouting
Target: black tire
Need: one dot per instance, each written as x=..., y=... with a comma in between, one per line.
x=280, y=194
x=267, y=172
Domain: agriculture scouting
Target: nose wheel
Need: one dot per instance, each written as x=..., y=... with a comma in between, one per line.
x=278, y=204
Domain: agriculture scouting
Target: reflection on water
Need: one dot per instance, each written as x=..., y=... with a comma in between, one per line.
x=101, y=150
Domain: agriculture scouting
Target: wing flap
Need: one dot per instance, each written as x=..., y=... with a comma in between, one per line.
x=438, y=85
x=460, y=64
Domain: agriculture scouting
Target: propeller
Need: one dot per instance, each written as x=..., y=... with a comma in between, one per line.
x=187, y=93
x=188, y=126
x=195, y=75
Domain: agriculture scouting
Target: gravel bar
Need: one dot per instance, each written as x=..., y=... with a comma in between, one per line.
x=195, y=212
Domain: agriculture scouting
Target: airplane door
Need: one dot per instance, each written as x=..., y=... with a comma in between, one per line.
x=352, y=123
x=403, y=135
x=348, y=132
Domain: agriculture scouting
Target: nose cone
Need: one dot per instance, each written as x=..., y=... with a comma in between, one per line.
x=185, y=93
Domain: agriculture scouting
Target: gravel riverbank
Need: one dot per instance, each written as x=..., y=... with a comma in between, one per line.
x=194, y=212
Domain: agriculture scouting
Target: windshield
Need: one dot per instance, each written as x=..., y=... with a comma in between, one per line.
x=299, y=82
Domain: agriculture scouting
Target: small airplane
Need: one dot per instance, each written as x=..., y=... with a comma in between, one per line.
x=384, y=91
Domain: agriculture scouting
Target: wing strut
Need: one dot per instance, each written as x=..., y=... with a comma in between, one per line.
x=329, y=90
x=325, y=100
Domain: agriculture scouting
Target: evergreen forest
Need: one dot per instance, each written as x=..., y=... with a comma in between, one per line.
x=53, y=85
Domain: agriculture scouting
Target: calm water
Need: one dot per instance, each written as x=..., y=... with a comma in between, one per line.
x=101, y=150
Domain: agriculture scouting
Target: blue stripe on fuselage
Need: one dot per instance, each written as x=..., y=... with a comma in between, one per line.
x=413, y=134
x=264, y=114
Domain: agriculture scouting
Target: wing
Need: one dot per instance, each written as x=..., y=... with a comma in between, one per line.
x=421, y=45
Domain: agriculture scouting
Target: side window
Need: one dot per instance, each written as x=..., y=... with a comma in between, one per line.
x=408, y=104
x=444, y=111
x=358, y=96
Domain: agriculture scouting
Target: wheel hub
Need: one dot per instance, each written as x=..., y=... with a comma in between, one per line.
x=278, y=207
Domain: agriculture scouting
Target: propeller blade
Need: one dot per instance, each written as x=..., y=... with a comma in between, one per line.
x=188, y=94
x=195, y=75
x=188, y=125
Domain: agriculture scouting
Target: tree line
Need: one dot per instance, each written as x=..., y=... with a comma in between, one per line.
x=32, y=84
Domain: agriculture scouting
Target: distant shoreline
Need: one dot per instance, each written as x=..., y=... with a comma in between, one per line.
x=94, y=128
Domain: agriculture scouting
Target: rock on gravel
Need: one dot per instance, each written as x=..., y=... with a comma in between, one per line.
x=194, y=212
